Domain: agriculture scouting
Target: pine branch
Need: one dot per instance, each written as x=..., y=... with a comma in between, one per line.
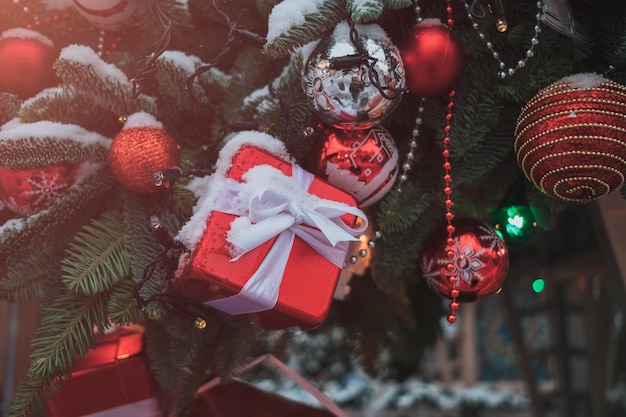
x=9, y=106
x=283, y=109
x=157, y=348
x=66, y=331
x=67, y=106
x=97, y=259
x=27, y=400
x=143, y=249
x=31, y=152
x=122, y=308
x=176, y=103
x=397, y=4
x=56, y=105
x=108, y=92
x=316, y=25
x=400, y=210
x=172, y=86
x=24, y=280
x=365, y=11
x=17, y=236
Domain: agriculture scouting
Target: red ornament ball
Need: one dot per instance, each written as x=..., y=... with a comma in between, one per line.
x=570, y=139
x=361, y=162
x=138, y=152
x=25, y=191
x=433, y=59
x=112, y=15
x=26, y=59
x=473, y=267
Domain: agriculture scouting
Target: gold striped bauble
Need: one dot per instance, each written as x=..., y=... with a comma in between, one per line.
x=570, y=138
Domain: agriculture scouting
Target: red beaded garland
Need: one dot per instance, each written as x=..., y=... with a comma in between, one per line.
x=476, y=270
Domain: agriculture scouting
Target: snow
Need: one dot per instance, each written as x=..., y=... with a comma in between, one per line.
x=14, y=122
x=187, y=63
x=583, y=80
x=88, y=57
x=307, y=50
x=84, y=171
x=264, y=91
x=14, y=130
x=260, y=140
x=255, y=95
x=142, y=119
x=207, y=188
x=360, y=4
x=288, y=14
x=45, y=94
x=193, y=230
x=377, y=395
x=21, y=33
x=13, y=225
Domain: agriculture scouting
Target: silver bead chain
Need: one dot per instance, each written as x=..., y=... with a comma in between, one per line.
x=410, y=156
x=505, y=72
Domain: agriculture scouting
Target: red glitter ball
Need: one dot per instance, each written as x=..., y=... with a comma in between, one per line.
x=137, y=153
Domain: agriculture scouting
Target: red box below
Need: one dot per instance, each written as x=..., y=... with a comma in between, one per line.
x=112, y=375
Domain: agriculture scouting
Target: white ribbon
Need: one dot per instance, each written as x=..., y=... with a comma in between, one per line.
x=281, y=210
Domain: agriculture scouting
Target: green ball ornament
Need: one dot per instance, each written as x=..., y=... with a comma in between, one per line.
x=515, y=224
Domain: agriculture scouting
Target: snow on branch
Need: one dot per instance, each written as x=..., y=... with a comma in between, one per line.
x=294, y=23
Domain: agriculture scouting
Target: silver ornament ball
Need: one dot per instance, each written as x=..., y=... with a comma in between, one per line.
x=345, y=97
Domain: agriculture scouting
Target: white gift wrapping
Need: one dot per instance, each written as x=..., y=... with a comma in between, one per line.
x=144, y=408
x=279, y=205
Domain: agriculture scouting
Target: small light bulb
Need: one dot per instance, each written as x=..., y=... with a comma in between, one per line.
x=501, y=25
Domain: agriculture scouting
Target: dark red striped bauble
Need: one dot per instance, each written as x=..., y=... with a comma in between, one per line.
x=570, y=138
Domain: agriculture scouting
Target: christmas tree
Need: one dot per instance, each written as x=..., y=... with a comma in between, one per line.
x=113, y=110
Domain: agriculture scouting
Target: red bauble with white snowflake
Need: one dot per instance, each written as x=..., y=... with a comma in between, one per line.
x=26, y=59
x=433, y=59
x=111, y=15
x=472, y=265
x=25, y=191
x=361, y=162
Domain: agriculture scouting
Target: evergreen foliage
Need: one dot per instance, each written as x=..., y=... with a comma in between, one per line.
x=91, y=258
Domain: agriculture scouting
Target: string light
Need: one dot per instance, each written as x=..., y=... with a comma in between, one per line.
x=505, y=72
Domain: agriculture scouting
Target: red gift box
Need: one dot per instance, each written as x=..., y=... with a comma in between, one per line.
x=112, y=380
x=226, y=401
x=217, y=399
x=308, y=279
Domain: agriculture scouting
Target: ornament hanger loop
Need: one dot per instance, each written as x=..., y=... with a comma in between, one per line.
x=370, y=63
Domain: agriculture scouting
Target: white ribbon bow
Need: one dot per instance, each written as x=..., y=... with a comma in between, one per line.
x=285, y=210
